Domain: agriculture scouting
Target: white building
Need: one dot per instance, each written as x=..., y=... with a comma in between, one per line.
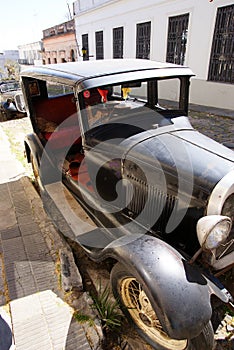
x=31, y=53
x=196, y=33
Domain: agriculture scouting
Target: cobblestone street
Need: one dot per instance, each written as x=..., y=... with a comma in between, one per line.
x=219, y=128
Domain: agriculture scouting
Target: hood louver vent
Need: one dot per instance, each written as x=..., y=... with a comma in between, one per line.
x=149, y=205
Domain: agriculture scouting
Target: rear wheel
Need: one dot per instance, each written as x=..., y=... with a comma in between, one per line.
x=138, y=309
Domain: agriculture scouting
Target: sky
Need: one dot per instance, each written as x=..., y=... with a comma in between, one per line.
x=22, y=22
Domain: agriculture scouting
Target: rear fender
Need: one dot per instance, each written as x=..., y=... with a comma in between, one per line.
x=42, y=157
x=178, y=292
x=33, y=147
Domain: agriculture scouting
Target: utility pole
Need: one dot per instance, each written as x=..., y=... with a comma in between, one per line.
x=69, y=10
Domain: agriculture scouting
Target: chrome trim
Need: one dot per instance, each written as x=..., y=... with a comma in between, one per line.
x=223, y=189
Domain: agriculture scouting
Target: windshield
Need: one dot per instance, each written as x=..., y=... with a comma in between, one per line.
x=147, y=104
x=9, y=86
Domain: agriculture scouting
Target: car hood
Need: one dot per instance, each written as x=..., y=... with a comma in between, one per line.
x=179, y=155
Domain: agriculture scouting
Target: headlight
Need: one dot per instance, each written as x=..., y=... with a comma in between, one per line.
x=213, y=230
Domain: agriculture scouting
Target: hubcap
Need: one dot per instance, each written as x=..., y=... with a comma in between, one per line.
x=143, y=315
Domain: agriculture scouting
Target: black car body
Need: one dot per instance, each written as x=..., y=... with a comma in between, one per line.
x=115, y=135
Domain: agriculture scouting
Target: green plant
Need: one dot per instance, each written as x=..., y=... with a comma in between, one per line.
x=228, y=311
x=107, y=308
x=81, y=318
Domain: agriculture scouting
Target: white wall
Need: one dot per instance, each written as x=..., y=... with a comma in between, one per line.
x=127, y=13
x=31, y=52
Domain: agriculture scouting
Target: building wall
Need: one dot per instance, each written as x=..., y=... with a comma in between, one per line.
x=95, y=15
x=30, y=53
x=59, y=43
x=59, y=48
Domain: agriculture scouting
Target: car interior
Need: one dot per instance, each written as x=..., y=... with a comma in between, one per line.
x=107, y=112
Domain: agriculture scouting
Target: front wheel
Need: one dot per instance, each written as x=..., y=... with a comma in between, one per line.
x=138, y=309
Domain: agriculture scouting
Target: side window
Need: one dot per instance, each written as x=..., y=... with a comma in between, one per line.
x=177, y=38
x=58, y=89
x=169, y=93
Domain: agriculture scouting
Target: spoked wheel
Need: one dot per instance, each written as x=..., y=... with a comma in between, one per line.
x=138, y=309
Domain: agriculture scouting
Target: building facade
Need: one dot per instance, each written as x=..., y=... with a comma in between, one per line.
x=195, y=33
x=59, y=43
x=30, y=54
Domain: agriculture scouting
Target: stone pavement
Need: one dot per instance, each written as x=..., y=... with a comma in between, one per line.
x=34, y=313
x=219, y=127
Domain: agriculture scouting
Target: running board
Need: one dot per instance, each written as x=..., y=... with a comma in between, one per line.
x=72, y=220
x=67, y=207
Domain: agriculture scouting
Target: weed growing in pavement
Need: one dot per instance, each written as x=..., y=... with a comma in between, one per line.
x=81, y=318
x=108, y=309
x=58, y=270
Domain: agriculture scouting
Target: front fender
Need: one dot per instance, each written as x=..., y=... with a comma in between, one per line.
x=179, y=293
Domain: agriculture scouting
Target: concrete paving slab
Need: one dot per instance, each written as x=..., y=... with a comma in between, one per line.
x=41, y=321
x=11, y=169
x=8, y=219
x=10, y=232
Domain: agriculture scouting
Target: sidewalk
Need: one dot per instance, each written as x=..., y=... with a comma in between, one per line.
x=33, y=313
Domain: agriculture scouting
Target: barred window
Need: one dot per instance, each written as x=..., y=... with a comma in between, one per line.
x=118, y=42
x=143, y=40
x=177, y=38
x=222, y=52
x=85, y=45
x=99, y=45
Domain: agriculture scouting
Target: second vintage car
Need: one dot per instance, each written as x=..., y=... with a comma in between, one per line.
x=123, y=173
x=11, y=101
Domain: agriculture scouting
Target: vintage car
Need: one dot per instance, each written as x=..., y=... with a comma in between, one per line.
x=122, y=172
x=11, y=102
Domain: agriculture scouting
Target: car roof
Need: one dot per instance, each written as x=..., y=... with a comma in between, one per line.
x=91, y=73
